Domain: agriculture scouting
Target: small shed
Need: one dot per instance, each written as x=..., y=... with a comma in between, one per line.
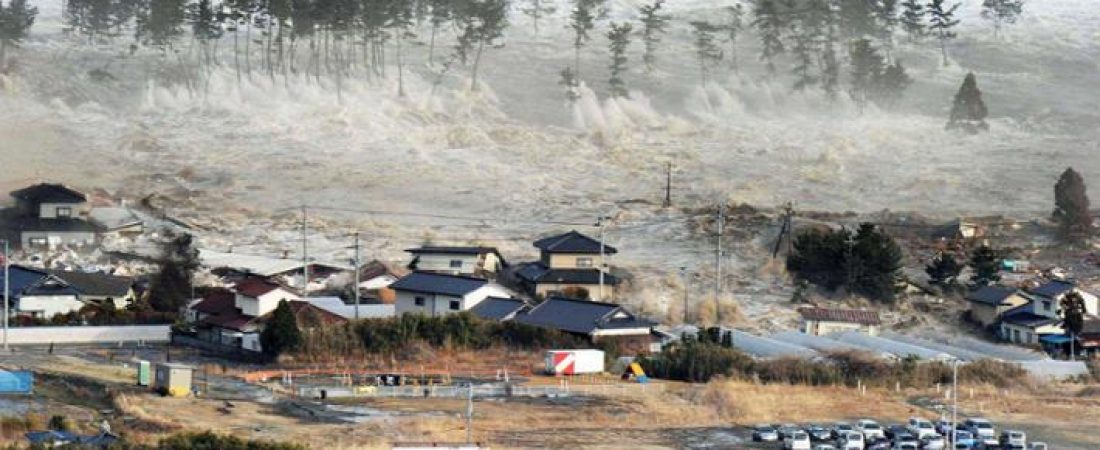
x=173, y=379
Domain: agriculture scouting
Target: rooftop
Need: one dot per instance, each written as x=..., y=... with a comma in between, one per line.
x=99, y=284
x=990, y=295
x=538, y=273
x=572, y=242
x=860, y=316
x=1053, y=288
x=49, y=193
x=453, y=250
x=220, y=302
x=433, y=283
x=337, y=306
x=497, y=308
x=255, y=287
x=581, y=316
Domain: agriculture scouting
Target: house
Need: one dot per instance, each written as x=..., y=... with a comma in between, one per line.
x=257, y=296
x=570, y=264
x=238, y=266
x=99, y=288
x=336, y=305
x=481, y=262
x=1089, y=339
x=499, y=308
x=434, y=294
x=596, y=321
x=1047, y=298
x=117, y=221
x=1021, y=325
x=375, y=279
x=48, y=216
x=219, y=318
x=36, y=293
x=988, y=303
x=823, y=321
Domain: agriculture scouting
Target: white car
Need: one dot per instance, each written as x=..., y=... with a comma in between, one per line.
x=824, y=447
x=870, y=429
x=851, y=441
x=1013, y=438
x=982, y=430
x=921, y=428
x=905, y=446
x=934, y=442
x=799, y=440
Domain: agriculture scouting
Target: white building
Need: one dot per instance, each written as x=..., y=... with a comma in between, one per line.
x=482, y=262
x=436, y=295
x=823, y=321
x=256, y=297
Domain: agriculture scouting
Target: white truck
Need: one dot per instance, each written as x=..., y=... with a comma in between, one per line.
x=574, y=362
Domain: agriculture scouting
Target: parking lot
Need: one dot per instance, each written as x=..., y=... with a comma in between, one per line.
x=916, y=434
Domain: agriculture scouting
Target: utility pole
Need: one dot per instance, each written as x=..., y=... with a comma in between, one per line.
x=668, y=185
x=470, y=413
x=718, y=265
x=954, y=403
x=355, y=288
x=7, y=289
x=684, y=275
x=305, y=253
x=603, y=265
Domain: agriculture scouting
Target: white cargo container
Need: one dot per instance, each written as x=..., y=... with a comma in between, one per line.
x=574, y=362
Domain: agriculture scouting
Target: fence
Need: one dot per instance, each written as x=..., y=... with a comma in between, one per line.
x=222, y=350
x=88, y=335
x=487, y=390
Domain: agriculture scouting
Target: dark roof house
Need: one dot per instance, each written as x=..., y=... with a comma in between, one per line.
x=538, y=273
x=582, y=316
x=434, y=283
x=1022, y=316
x=255, y=287
x=1052, y=289
x=572, y=242
x=49, y=193
x=95, y=284
x=499, y=309
x=219, y=302
x=991, y=295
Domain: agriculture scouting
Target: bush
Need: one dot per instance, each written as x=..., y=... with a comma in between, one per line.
x=696, y=361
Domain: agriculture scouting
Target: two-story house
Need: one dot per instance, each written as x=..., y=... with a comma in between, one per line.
x=257, y=296
x=570, y=265
x=49, y=215
x=236, y=317
x=1042, y=315
x=434, y=295
x=481, y=262
x=989, y=303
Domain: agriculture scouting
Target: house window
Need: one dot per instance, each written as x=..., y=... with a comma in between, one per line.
x=419, y=301
x=584, y=262
x=456, y=263
x=1016, y=336
x=455, y=305
x=64, y=211
x=1046, y=305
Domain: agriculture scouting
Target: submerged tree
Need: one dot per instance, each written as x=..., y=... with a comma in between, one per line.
x=160, y=22
x=857, y=18
x=1071, y=206
x=16, y=20
x=654, y=25
x=808, y=34
x=280, y=333
x=569, y=81
x=944, y=269
x=619, y=39
x=536, y=10
x=441, y=12
x=170, y=287
x=582, y=21
x=986, y=264
x=734, y=24
x=867, y=65
x=1002, y=12
x=969, y=111
x=706, y=49
x=867, y=262
x=942, y=23
x=485, y=21
x=886, y=13
x=912, y=19
x=769, y=24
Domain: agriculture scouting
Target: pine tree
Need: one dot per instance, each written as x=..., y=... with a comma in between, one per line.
x=170, y=287
x=890, y=84
x=886, y=13
x=619, y=39
x=160, y=22
x=441, y=12
x=986, y=264
x=830, y=62
x=942, y=23
x=582, y=21
x=1073, y=313
x=706, y=50
x=867, y=65
x=537, y=10
x=944, y=269
x=654, y=25
x=205, y=28
x=857, y=18
x=769, y=24
x=1002, y=12
x=1071, y=206
x=485, y=25
x=280, y=333
x=808, y=34
x=912, y=19
x=16, y=20
x=734, y=24
x=969, y=111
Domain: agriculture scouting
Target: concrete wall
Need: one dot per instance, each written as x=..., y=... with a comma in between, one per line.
x=88, y=335
x=49, y=305
x=49, y=210
x=55, y=239
x=821, y=328
x=546, y=289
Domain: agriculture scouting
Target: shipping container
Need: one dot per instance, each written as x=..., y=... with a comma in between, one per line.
x=173, y=379
x=574, y=362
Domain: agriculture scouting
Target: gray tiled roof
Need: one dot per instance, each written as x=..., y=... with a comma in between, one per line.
x=538, y=273
x=49, y=193
x=1052, y=289
x=580, y=316
x=496, y=308
x=433, y=283
x=97, y=284
x=572, y=242
x=990, y=295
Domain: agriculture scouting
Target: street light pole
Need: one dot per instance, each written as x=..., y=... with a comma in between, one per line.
x=355, y=288
x=954, y=403
x=7, y=289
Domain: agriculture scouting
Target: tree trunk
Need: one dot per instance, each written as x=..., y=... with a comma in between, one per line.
x=477, y=63
x=431, y=46
x=3, y=54
x=400, y=69
x=248, y=49
x=236, y=56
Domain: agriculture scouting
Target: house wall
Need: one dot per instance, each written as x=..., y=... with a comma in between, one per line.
x=441, y=263
x=1026, y=336
x=119, y=301
x=49, y=210
x=572, y=260
x=988, y=315
x=251, y=341
x=821, y=328
x=546, y=289
x=266, y=303
x=47, y=306
x=55, y=239
x=440, y=305
x=1055, y=310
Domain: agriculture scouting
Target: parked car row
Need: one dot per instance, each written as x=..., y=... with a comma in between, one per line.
x=916, y=434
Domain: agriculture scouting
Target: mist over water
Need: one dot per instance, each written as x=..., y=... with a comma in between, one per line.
x=516, y=150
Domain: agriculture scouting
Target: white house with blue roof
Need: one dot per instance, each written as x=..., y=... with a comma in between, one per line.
x=435, y=295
